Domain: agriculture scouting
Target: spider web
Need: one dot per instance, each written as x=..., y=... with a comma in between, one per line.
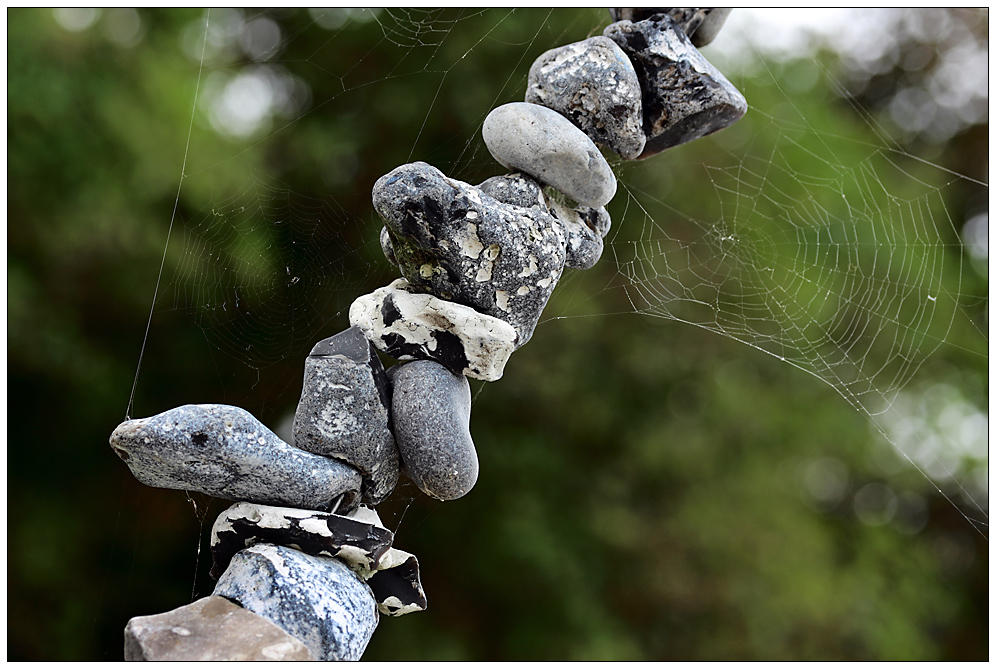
x=853, y=273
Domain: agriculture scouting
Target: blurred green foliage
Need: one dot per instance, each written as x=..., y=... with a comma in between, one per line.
x=643, y=493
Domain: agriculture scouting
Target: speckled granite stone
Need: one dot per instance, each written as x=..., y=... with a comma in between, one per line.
x=432, y=425
x=211, y=629
x=344, y=411
x=701, y=24
x=410, y=325
x=593, y=84
x=684, y=96
x=223, y=451
x=548, y=147
x=317, y=600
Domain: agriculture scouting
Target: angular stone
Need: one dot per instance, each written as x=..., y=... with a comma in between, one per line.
x=409, y=325
x=344, y=412
x=397, y=585
x=701, y=24
x=359, y=544
x=317, y=600
x=223, y=451
x=211, y=629
x=431, y=409
x=593, y=84
x=684, y=96
x=548, y=147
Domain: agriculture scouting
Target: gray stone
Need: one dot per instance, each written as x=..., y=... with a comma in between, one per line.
x=223, y=451
x=318, y=600
x=684, y=96
x=410, y=325
x=584, y=245
x=211, y=629
x=548, y=147
x=516, y=189
x=701, y=24
x=387, y=247
x=596, y=219
x=431, y=408
x=344, y=412
x=594, y=85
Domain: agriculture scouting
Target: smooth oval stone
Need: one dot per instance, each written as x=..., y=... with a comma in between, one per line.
x=432, y=426
x=594, y=85
x=317, y=600
x=224, y=451
x=548, y=147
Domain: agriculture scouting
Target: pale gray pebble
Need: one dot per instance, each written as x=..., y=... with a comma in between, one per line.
x=545, y=145
x=684, y=96
x=701, y=24
x=432, y=425
x=225, y=452
x=212, y=629
x=317, y=600
x=593, y=84
x=411, y=325
x=344, y=411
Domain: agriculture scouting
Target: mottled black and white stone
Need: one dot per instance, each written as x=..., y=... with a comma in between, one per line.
x=545, y=145
x=345, y=411
x=224, y=451
x=431, y=407
x=212, y=629
x=318, y=600
x=593, y=84
x=410, y=325
x=397, y=584
x=701, y=24
x=359, y=544
x=684, y=96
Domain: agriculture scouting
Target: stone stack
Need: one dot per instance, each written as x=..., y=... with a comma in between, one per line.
x=303, y=552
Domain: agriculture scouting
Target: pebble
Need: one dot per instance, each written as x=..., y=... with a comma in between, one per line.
x=225, y=452
x=516, y=189
x=684, y=96
x=545, y=145
x=317, y=600
x=387, y=247
x=593, y=84
x=584, y=245
x=211, y=629
x=431, y=409
x=701, y=24
x=410, y=325
x=344, y=412
x=397, y=584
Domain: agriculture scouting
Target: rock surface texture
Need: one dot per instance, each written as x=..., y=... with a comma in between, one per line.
x=223, y=451
x=344, y=412
x=548, y=147
x=701, y=24
x=432, y=425
x=211, y=629
x=317, y=600
x=684, y=96
x=593, y=84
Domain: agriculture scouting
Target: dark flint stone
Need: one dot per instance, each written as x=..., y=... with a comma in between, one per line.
x=398, y=589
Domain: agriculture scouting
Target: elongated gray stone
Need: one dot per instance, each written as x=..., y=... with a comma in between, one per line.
x=409, y=325
x=317, y=600
x=548, y=147
x=684, y=96
x=432, y=425
x=223, y=451
x=344, y=411
x=701, y=24
x=593, y=84
x=212, y=629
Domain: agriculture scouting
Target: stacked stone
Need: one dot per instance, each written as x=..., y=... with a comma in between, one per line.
x=302, y=552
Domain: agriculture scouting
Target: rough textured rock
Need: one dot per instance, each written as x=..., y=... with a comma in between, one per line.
x=397, y=584
x=593, y=84
x=584, y=245
x=359, y=544
x=459, y=243
x=684, y=96
x=409, y=325
x=700, y=24
x=344, y=412
x=432, y=425
x=318, y=600
x=223, y=451
x=211, y=629
x=548, y=147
